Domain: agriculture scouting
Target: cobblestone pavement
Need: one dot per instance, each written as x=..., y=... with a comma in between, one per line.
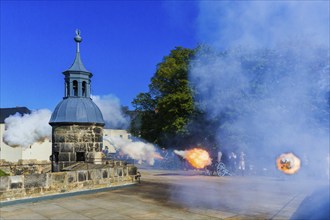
x=164, y=194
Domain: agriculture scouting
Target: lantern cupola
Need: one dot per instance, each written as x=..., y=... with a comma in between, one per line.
x=77, y=77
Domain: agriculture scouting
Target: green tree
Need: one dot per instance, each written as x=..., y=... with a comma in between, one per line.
x=144, y=123
x=165, y=110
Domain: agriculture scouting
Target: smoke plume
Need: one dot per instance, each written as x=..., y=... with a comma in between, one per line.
x=137, y=150
x=258, y=24
x=268, y=78
x=112, y=111
x=23, y=131
x=266, y=81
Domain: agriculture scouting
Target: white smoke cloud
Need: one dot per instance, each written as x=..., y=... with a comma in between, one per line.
x=289, y=109
x=137, y=150
x=262, y=23
x=111, y=111
x=23, y=131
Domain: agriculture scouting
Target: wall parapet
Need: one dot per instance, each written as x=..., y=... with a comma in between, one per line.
x=25, y=167
x=36, y=185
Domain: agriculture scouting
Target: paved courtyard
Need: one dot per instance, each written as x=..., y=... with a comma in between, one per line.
x=164, y=194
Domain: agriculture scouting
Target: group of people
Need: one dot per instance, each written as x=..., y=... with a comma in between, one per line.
x=237, y=163
x=234, y=162
x=231, y=163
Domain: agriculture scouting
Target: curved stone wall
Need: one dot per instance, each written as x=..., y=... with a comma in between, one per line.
x=72, y=143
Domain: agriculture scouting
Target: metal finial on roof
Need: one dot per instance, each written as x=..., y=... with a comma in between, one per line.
x=77, y=64
x=77, y=38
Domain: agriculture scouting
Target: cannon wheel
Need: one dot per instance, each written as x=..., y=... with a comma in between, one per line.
x=222, y=170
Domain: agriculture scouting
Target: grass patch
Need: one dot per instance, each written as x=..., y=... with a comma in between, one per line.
x=2, y=173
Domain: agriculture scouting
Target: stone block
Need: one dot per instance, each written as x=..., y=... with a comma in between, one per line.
x=59, y=138
x=57, y=129
x=98, y=131
x=48, y=190
x=72, y=177
x=82, y=176
x=33, y=191
x=95, y=174
x=90, y=147
x=97, y=146
x=16, y=182
x=80, y=147
x=95, y=157
x=2, y=195
x=82, y=128
x=111, y=172
x=4, y=182
x=104, y=174
x=72, y=157
x=57, y=177
x=66, y=147
x=115, y=171
x=71, y=138
x=35, y=180
x=120, y=171
x=16, y=185
x=87, y=137
x=73, y=186
x=64, y=156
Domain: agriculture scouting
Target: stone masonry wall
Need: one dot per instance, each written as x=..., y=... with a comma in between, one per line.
x=70, y=139
x=25, y=167
x=34, y=185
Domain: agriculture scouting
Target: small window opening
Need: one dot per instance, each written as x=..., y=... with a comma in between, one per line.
x=84, y=88
x=75, y=88
x=67, y=89
x=80, y=156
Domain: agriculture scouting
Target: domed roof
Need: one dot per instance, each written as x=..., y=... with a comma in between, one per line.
x=77, y=110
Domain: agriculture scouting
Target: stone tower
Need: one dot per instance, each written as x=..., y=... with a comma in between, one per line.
x=77, y=123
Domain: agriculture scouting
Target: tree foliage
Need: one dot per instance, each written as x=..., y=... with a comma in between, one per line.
x=165, y=110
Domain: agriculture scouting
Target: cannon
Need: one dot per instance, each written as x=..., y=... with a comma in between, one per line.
x=222, y=170
x=219, y=168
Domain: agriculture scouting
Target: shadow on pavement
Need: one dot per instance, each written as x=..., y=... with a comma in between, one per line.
x=315, y=206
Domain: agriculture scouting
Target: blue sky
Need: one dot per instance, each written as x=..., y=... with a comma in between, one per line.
x=123, y=41
x=122, y=44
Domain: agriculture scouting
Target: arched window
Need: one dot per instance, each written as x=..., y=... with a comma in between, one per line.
x=75, y=88
x=84, y=89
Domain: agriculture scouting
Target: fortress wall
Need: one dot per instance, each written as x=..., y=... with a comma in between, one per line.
x=36, y=185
